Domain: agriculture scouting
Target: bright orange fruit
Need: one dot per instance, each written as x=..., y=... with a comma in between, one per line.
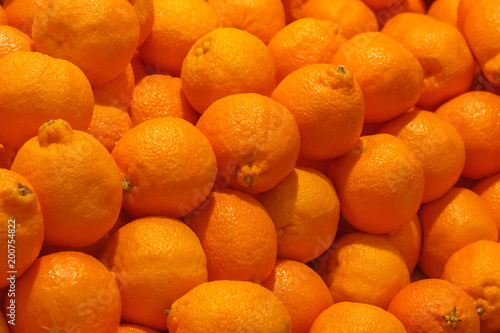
x=327, y=104
x=380, y=183
x=229, y=306
x=255, y=139
x=237, y=235
x=77, y=182
x=223, y=62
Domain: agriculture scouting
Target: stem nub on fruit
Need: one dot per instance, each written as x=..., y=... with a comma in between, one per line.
x=23, y=189
x=452, y=319
x=249, y=179
x=126, y=185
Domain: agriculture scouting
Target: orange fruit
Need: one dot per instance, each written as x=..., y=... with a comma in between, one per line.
x=445, y=11
x=69, y=291
x=229, y=306
x=442, y=51
x=121, y=87
x=237, y=235
x=327, y=104
x=459, y=217
x=110, y=119
x=159, y=96
x=145, y=11
x=13, y=40
x=489, y=190
x=131, y=328
x=377, y=274
x=348, y=317
x=408, y=241
x=37, y=88
x=438, y=146
x=3, y=17
x=20, y=13
x=302, y=291
x=178, y=24
x=480, y=22
x=305, y=211
x=76, y=180
x=255, y=139
x=99, y=36
x=22, y=224
x=352, y=16
x=473, y=268
x=155, y=261
x=261, y=18
x=382, y=66
x=304, y=42
x=434, y=305
x=167, y=165
x=380, y=183
x=476, y=116
x=226, y=61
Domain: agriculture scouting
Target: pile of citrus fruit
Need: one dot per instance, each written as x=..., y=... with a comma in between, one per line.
x=260, y=166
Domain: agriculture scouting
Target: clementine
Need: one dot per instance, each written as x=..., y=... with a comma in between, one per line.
x=99, y=36
x=352, y=16
x=159, y=96
x=304, y=42
x=223, y=62
x=447, y=62
x=255, y=139
x=237, y=235
x=261, y=18
x=483, y=36
x=229, y=306
x=445, y=11
x=22, y=225
x=382, y=66
x=37, y=88
x=76, y=180
x=456, y=219
x=380, y=183
x=327, y=104
x=68, y=291
x=476, y=116
x=348, y=317
x=377, y=273
x=473, y=268
x=305, y=211
x=299, y=288
x=155, y=261
x=168, y=167
x=434, y=305
x=177, y=25
x=20, y=13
